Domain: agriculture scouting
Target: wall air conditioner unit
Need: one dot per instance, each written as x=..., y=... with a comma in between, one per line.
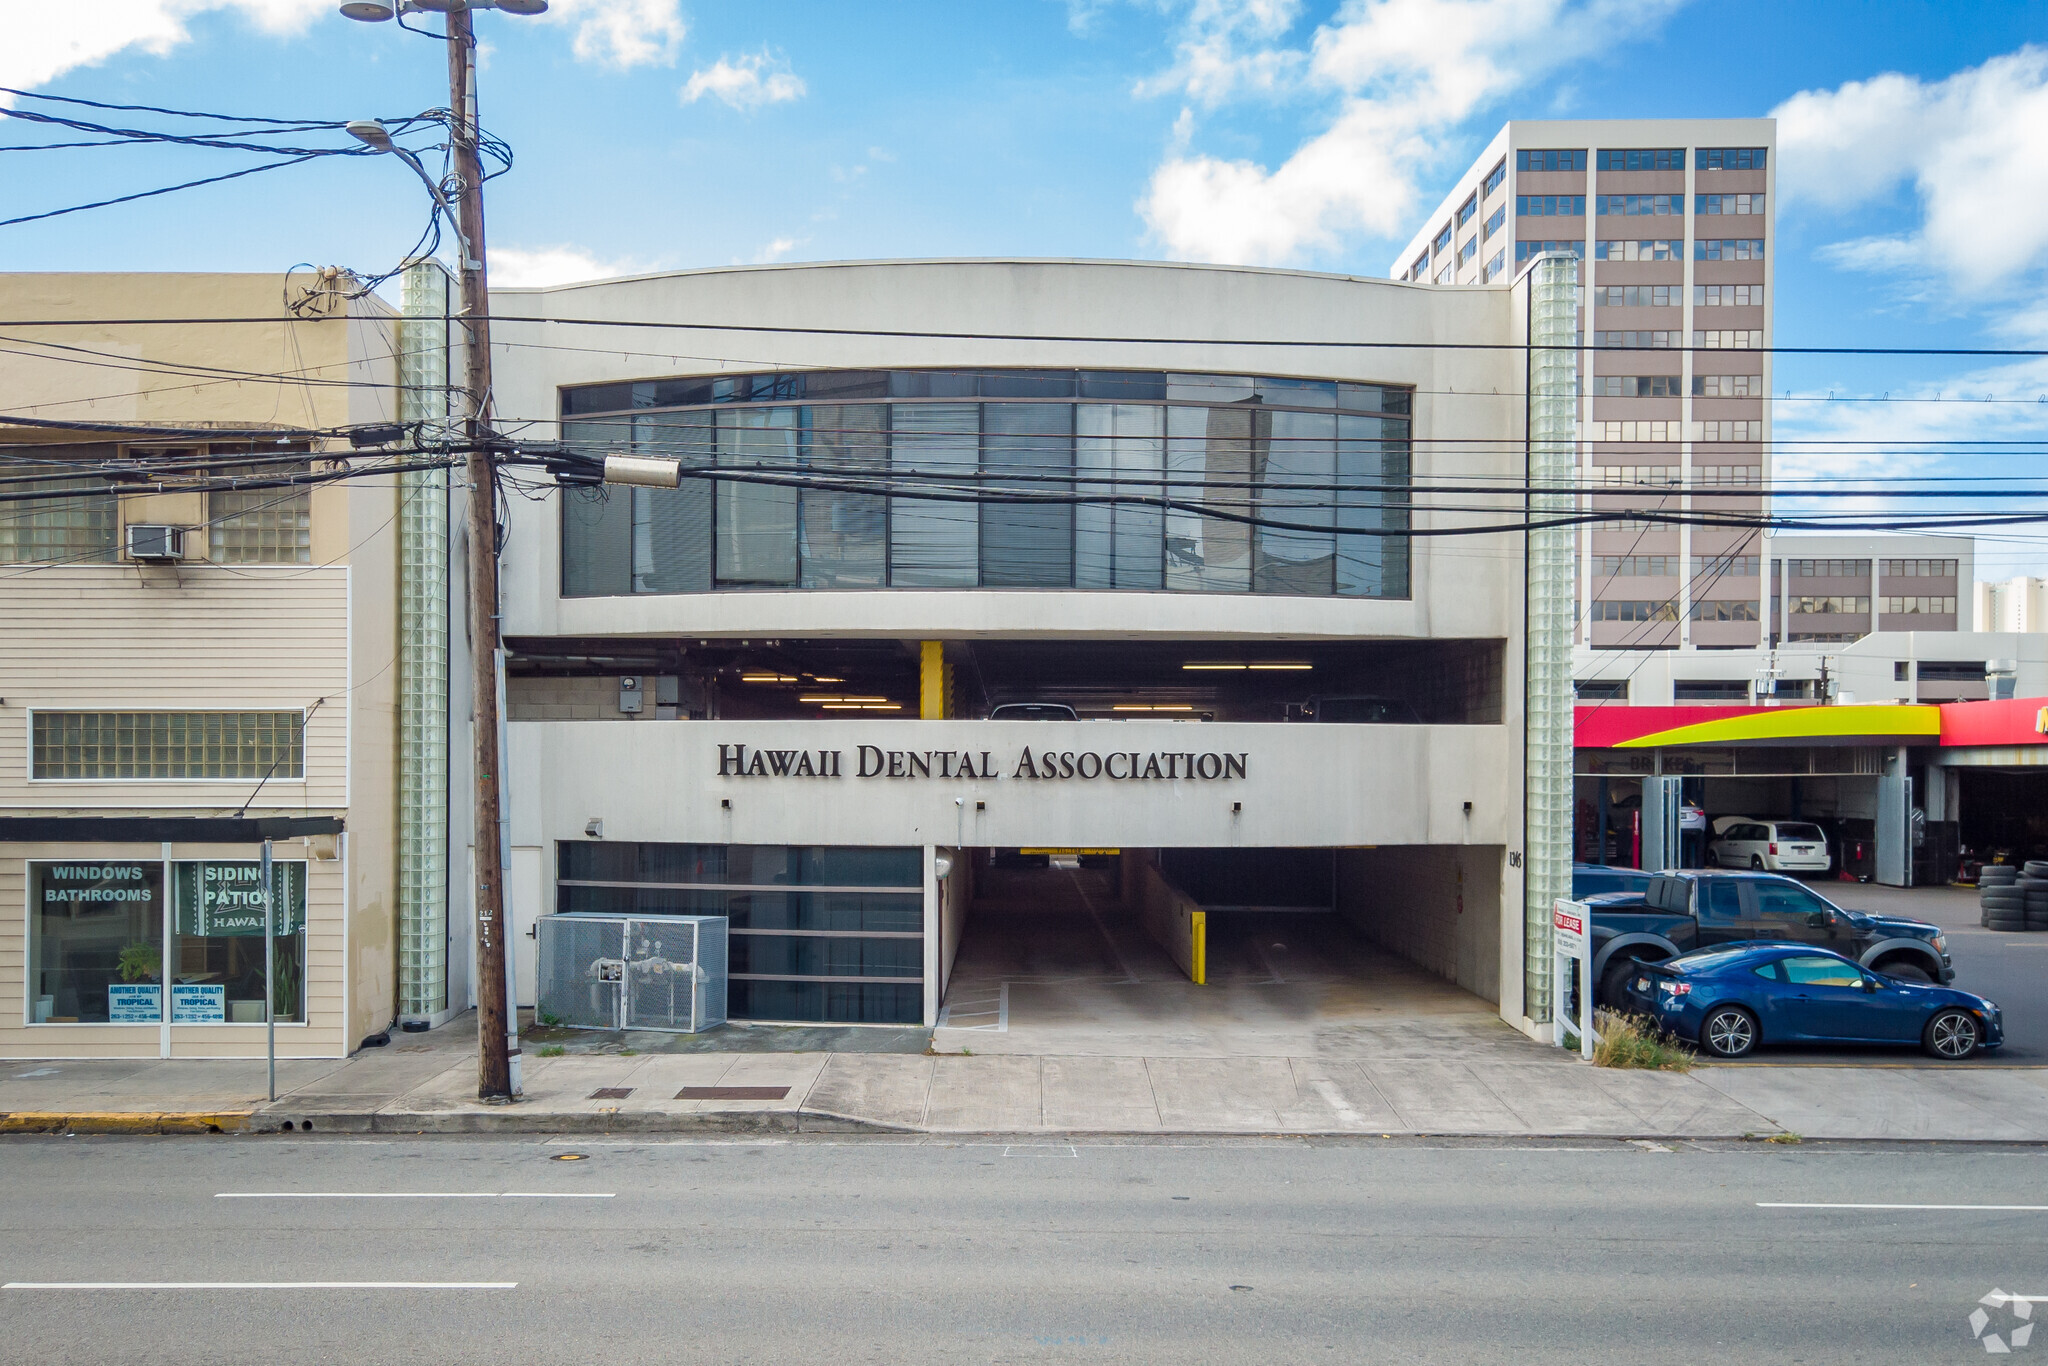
x=155, y=544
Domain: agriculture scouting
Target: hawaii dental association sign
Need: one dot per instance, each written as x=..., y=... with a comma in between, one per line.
x=1045, y=765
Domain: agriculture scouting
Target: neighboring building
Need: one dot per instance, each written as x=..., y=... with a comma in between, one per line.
x=188, y=671
x=773, y=703
x=1672, y=219
x=2019, y=604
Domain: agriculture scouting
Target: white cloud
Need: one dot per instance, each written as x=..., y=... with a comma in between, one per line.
x=746, y=82
x=1405, y=73
x=1973, y=147
x=46, y=40
x=623, y=33
x=516, y=267
x=775, y=251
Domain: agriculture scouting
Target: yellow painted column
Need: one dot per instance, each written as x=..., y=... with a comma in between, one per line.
x=934, y=678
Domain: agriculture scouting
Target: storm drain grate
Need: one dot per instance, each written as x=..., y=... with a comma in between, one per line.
x=733, y=1093
x=611, y=1093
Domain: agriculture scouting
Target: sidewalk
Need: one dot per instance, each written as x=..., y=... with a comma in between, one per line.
x=1394, y=1081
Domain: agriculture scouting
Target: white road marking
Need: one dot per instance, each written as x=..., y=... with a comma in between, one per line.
x=414, y=1195
x=260, y=1285
x=1788, y=1204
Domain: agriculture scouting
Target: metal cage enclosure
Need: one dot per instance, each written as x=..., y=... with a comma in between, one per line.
x=664, y=972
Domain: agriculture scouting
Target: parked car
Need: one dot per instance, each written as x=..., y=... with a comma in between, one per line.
x=1592, y=879
x=1772, y=846
x=1731, y=1000
x=1033, y=711
x=1698, y=909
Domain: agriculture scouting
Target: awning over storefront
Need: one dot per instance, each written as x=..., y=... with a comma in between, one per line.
x=2020, y=722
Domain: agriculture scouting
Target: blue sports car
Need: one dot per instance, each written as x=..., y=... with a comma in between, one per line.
x=1732, y=999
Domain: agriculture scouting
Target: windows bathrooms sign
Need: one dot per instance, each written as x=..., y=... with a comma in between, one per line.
x=1042, y=765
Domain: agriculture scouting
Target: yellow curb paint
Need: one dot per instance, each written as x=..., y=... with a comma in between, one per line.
x=122, y=1122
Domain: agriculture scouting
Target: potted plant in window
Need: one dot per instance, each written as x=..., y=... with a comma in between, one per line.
x=140, y=963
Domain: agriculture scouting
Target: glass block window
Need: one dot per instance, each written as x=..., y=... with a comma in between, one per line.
x=78, y=530
x=260, y=526
x=167, y=744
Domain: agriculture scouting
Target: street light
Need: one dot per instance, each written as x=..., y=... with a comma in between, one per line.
x=497, y=1025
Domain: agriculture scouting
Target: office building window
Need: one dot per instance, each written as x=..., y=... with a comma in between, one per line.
x=1495, y=265
x=1710, y=476
x=1739, y=339
x=1918, y=606
x=1639, y=205
x=1551, y=160
x=1712, y=296
x=1639, y=296
x=1724, y=609
x=1420, y=270
x=932, y=427
x=1839, y=604
x=1642, y=159
x=167, y=745
x=1494, y=222
x=1468, y=251
x=1635, y=386
x=1727, y=203
x=1828, y=569
x=1728, y=386
x=1467, y=209
x=1550, y=205
x=1600, y=689
x=1732, y=158
x=1494, y=177
x=1653, y=340
x=1632, y=610
x=1728, y=249
x=1626, y=566
x=1443, y=240
x=1726, y=566
x=1640, y=475
x=1525, y=250
x=1656, y=249
x=1751, y=430
x=1672, y=430
x=1918, y=569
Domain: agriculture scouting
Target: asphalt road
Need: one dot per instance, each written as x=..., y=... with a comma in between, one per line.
x=881, y=1251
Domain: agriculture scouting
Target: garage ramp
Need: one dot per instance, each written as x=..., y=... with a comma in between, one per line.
x=1060, y=961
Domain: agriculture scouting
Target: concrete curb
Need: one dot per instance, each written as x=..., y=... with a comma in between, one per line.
x=510, y=1119
x=125, y=1122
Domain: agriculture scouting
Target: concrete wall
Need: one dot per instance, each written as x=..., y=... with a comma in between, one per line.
x=1437, y=906
x=1305, y=786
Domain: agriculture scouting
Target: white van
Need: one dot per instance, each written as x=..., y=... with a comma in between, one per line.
x=1772, y=846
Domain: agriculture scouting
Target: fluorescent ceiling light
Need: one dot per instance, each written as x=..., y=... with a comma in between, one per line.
x=1212, y=666
x=1283, y=665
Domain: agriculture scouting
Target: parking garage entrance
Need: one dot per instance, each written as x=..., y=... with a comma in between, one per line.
x=1217, y=952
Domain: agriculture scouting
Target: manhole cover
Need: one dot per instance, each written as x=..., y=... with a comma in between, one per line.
x=611, y=1093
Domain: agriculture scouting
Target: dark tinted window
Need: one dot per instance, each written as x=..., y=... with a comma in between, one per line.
x=1720, y=899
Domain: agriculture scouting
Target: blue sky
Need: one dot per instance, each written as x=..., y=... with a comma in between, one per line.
x=659, y=133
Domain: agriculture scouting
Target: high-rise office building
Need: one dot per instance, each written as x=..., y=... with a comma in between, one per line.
x=1671, y=219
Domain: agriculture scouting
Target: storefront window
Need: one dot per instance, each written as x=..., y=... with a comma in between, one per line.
x=219, y=944
x=95, y=942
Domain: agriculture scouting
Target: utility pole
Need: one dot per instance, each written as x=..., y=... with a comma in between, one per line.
x=496, y=1064
x=494, y=1056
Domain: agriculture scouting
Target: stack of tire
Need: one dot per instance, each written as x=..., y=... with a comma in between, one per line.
x=2014, y=898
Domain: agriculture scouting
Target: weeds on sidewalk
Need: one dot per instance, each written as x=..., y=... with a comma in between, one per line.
x=1632, y=1041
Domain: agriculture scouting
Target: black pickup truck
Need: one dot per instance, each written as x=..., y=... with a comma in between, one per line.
x=1695, y=909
